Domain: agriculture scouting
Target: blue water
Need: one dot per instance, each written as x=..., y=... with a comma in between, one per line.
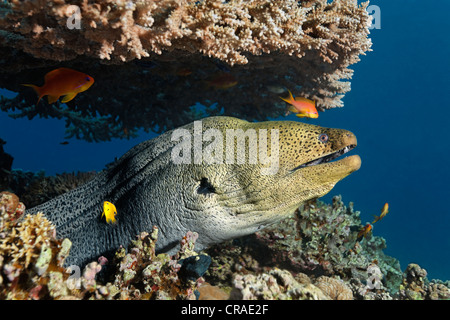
x=399, y=108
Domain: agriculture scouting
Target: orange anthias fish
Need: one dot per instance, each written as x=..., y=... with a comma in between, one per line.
x=184, y=72
x=63, y=82
x=222, y=81
x=302, y=107
x=364, y=232
x=109, y=211
x=384, y=212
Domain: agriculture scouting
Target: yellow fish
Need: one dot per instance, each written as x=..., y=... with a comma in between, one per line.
x=384, y=212
x=364, y=232
x=109, y=211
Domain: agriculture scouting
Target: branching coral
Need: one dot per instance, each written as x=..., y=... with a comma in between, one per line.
x=304, y=46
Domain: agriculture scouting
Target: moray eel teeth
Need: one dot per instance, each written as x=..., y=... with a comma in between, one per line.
x=327, y=158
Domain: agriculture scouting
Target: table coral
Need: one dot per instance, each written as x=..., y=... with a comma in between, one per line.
x=227, y=30
x=136, y=49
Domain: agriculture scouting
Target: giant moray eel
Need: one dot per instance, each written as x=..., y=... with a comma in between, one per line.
x=219, y=201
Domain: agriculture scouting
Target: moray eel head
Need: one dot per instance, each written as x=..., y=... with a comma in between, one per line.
x=232, y=199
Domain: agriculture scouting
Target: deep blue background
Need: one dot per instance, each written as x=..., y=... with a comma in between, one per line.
x=399, y=109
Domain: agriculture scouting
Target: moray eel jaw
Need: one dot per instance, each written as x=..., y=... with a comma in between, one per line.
x=327, y=158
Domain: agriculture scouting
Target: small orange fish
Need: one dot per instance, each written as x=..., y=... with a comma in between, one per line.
x=384, y=212
x=109, y=211
x=184, y=72
x=364, y=232
x=222, y=81
x=62, y=82
x=301, y=106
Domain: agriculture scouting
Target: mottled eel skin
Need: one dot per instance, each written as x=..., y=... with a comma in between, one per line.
x=218, y=201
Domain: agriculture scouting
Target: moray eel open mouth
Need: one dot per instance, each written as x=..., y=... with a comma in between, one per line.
x=326, y=158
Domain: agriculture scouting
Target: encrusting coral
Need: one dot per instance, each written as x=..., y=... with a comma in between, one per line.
x=146, y=55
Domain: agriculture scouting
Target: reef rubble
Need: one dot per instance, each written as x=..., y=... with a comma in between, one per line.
x=312, y=256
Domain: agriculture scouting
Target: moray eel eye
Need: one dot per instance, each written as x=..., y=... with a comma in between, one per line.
x=323, y=137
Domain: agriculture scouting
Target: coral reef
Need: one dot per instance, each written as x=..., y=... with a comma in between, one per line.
x=35, y=188
x=275, y=285
x=43, y=188
x=26, y=252
x=142, y=274
x=32, y=265
x=146, y=55
x=279, y=284
x=415, y=286
x=318, y=246
x=334, y=288
x=320, y=240
x=11, y=208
